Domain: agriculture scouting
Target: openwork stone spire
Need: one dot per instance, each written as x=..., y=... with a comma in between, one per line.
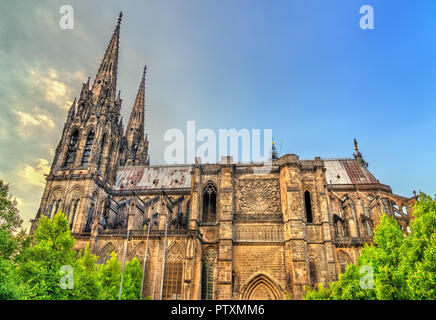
x=135, y=127
x=107, y=73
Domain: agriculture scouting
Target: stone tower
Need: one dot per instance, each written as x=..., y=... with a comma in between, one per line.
x=91, y=147
x=137, y=144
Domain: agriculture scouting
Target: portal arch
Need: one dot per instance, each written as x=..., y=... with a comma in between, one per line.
x=261, y=287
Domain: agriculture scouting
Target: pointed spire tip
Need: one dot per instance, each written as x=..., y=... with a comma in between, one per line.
x=145, y=70
x=120, y=17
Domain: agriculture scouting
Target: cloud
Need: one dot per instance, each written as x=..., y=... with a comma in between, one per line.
x=28, y=119
x=55, y=91
x=35, y=175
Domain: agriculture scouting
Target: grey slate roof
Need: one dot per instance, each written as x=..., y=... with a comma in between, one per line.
x=148, y=178
x=338, y=172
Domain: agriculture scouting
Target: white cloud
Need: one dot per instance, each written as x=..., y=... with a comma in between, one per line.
x=28, y=119
x=36, y=175
x=54, y=90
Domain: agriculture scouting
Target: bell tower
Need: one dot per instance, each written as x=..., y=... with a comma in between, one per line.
x=87, y=156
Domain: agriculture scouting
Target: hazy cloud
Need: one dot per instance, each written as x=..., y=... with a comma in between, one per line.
x=35, y=175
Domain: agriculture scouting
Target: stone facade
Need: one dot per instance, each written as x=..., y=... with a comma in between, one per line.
x=208, y=231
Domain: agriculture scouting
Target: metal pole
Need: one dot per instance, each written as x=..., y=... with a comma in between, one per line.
x=164, y=257
x=145, y=259
x=124, y=264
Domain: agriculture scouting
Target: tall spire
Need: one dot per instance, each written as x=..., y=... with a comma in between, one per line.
x=135, y=127
x=107, y=73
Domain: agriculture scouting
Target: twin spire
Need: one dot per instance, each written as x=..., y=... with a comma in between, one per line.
x=107, y=78
x=107, y=73
x=135, y=127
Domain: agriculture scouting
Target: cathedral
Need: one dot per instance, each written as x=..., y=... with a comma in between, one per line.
x=208, y=231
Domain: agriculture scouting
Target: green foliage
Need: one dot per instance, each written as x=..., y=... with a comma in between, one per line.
x=86, y=282
x=40, y=264
x=419, y=251
x=11, y=244
x=404, y=267
x=9, y=217
x=9, y=282
x=110, y=278
x=132, y=280
x=30, y=268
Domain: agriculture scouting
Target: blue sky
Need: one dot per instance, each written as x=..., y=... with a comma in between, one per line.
x=304, y=69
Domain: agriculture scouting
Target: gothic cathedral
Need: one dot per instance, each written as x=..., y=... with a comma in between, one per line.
x=207, y=231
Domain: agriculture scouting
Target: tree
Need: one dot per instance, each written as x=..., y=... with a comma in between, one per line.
x=110, y=278
x=40, y=264
x=86, y=282
x=419, y=251
x=10, y=245
x=404, y=267
x=132, y=280
x=9, y=217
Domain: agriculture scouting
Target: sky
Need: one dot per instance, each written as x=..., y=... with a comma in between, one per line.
x=304, y=69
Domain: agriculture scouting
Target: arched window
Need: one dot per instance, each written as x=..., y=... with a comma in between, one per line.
x=56, y=204
x=105, y=253
x=208, y=261
x=73, y=208
x=209, y=203
x=173, y=276
x=308, y=206
x=72, y=148
x=344, y=260
x=139, y=253
x=88, y=146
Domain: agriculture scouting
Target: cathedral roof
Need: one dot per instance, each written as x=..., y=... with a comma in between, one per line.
x=153, y=177
x=338, y=172
x=347, y=171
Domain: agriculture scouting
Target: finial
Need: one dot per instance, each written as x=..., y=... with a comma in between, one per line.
x=274, y=154
x=356, y=148
x=145, y=70
x=120, y=17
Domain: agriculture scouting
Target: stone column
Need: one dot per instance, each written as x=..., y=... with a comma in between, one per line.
x=293, y=208
x=225, y=227
x=321, y=189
